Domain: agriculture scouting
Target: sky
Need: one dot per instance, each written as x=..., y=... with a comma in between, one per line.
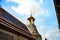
x=42, y=10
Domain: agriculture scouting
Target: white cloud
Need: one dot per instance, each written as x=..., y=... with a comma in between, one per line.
x=26, y=5
x=7, y=0
x=53, y=35
x=41, y=1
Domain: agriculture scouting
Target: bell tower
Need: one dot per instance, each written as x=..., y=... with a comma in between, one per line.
x=32, y=28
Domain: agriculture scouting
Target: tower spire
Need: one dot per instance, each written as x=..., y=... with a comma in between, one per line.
x=31, y=19
x=32, y=27
x=31, y=14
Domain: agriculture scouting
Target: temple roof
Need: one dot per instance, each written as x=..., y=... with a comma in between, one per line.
x=57, y=7
x=12, y=19
x=9, y=21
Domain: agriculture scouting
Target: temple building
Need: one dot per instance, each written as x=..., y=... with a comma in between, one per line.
x=32, y=28
x=13, y=29
x=57, y=7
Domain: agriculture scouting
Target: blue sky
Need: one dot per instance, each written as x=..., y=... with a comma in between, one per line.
x=42, y=10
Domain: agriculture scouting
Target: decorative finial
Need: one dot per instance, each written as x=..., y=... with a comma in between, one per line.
x=31, y=19
x=30, y=13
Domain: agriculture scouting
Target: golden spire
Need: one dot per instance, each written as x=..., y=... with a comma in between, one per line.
x=31, y=19
x=30, y=13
